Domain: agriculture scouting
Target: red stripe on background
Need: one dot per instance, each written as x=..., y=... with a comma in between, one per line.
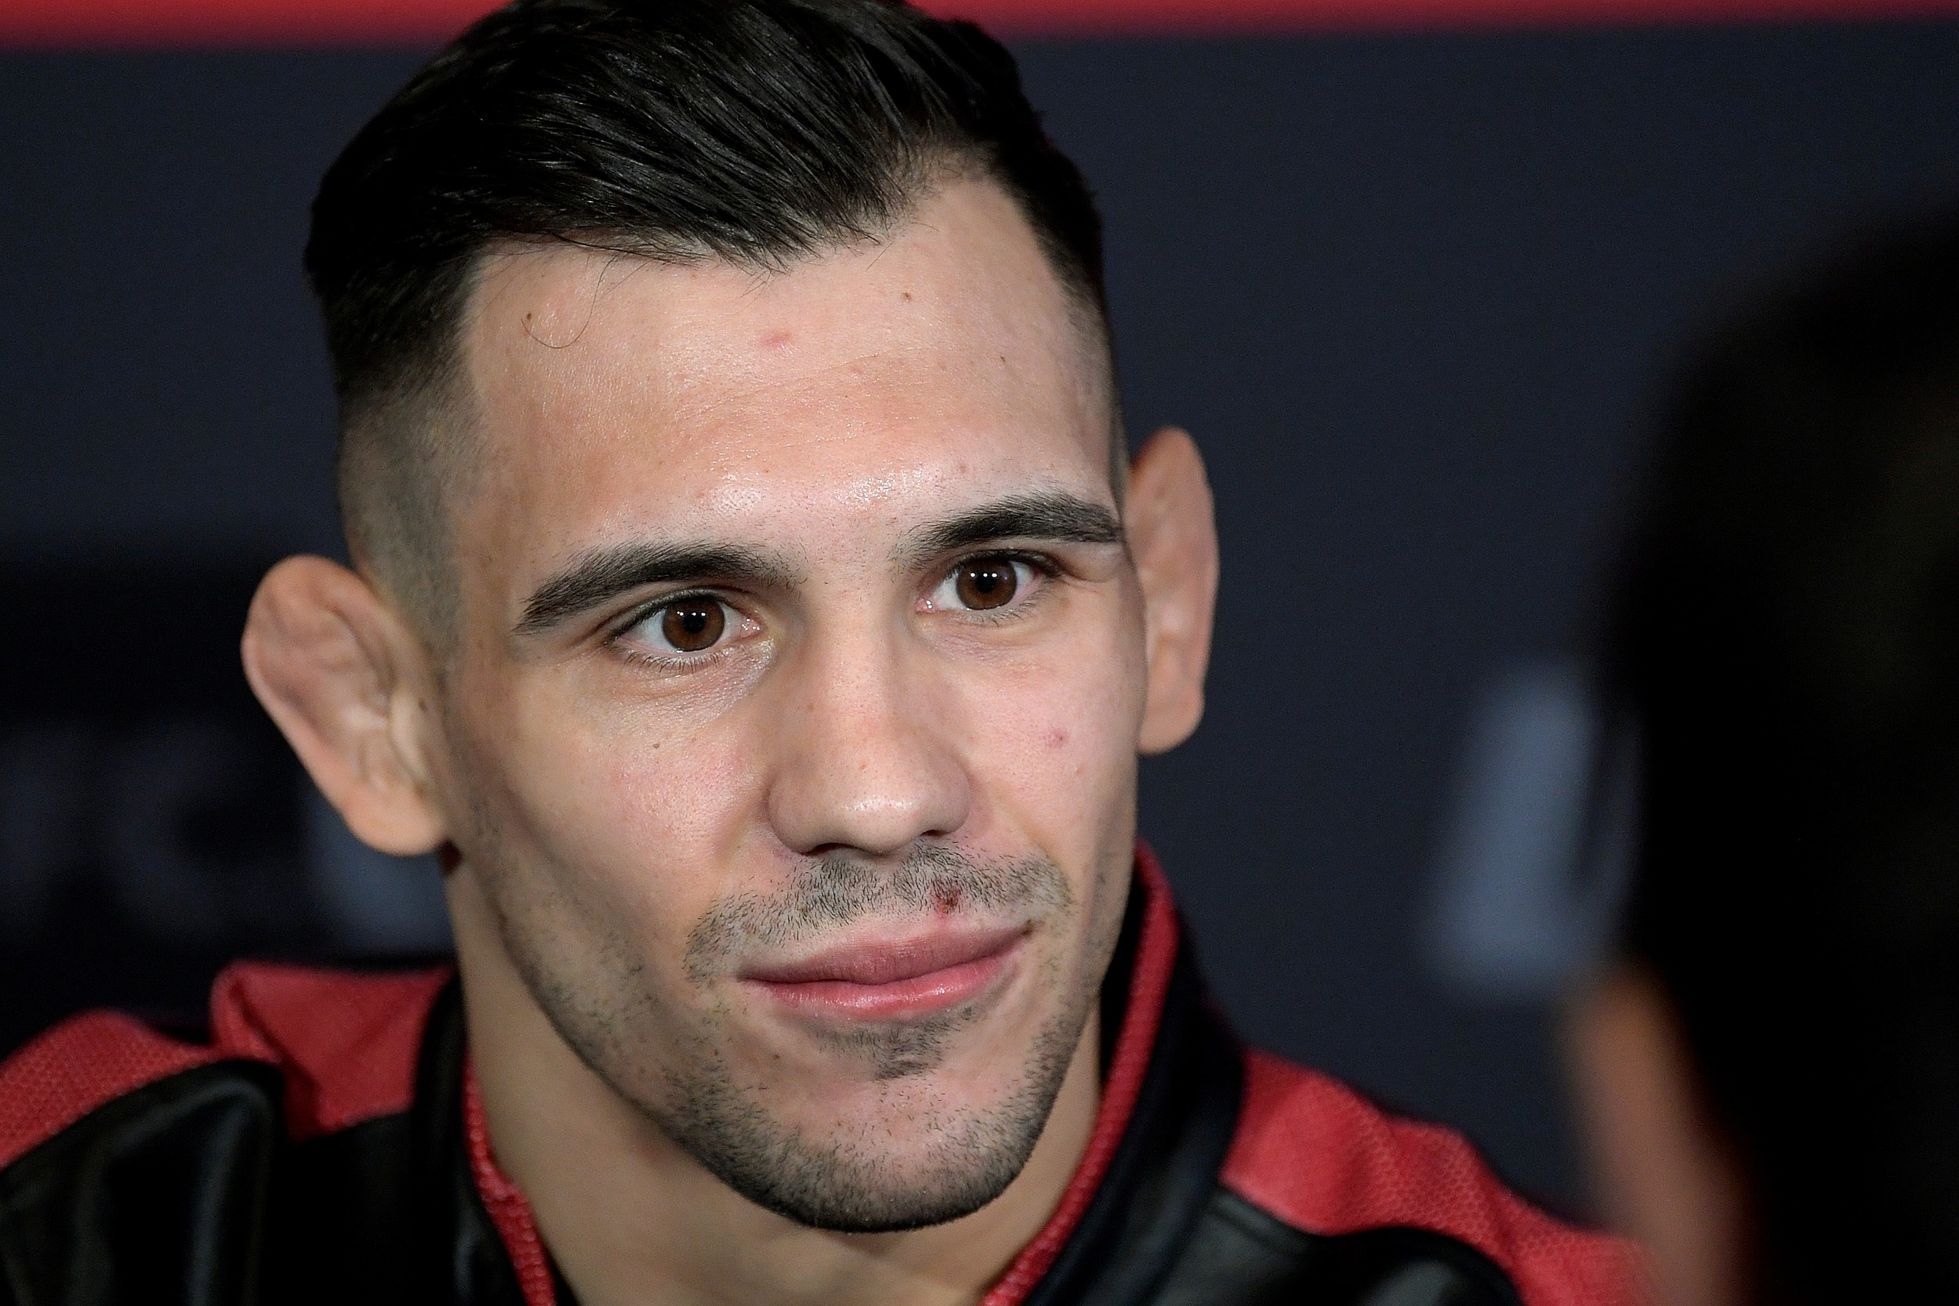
x=305, y=22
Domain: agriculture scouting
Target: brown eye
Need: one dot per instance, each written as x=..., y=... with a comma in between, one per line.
x=693, y=625
x=986, y=583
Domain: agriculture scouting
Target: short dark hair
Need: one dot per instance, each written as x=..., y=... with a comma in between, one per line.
x=755, y=132
x=1785, y=638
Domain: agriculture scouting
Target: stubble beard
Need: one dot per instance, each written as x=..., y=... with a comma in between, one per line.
x=854, y=1180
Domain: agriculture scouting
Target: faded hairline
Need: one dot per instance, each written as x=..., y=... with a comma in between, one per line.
x=401, y=462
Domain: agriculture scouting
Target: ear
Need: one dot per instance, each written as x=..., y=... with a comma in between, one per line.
x=339, y=672
x=1666, y=1175
x=1173, y=538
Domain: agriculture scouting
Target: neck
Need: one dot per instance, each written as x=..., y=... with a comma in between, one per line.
x=631, y=1218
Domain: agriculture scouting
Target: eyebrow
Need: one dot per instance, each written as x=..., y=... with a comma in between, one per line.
x=600, y=575
x=1051, y=516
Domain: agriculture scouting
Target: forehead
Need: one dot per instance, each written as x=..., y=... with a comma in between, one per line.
x=615, y=395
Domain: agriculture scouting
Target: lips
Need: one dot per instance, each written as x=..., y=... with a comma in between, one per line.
x=894, y=979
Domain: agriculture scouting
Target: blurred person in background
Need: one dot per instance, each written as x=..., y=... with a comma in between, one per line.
x=1772, y=1067
x=755, y=608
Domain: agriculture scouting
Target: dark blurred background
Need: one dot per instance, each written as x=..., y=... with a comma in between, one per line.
x=1414, y=288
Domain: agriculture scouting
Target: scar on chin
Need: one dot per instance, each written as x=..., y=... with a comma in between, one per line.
x=946, y=898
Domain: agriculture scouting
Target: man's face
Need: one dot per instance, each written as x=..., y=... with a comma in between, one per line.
x=791, y=732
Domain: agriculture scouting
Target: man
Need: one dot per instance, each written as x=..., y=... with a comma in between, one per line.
x=1769, y=1067
x=753, y=609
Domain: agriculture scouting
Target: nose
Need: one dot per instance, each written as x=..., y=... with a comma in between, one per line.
x=865, y=760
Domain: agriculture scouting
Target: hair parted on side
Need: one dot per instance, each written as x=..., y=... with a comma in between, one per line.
x=756, y=132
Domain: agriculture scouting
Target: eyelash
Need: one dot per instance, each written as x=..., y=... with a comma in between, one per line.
x=1048, y=568
x=616, y=638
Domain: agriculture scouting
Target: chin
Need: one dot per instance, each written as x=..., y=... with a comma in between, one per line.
x=901, y=1190
x=917, y=1134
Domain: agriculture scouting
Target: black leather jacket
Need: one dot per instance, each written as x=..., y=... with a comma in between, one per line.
x=318, y=1150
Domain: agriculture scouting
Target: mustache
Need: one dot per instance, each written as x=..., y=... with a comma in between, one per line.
x=839, y=890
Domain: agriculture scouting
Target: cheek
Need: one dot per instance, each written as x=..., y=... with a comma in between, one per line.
x=634, y=818
x=680, y=799
x=1058, y=739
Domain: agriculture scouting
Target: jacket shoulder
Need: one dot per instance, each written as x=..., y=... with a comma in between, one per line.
x=78, y=1067
x=1317, y=1156
x=344, y=1044
x=347, y=1043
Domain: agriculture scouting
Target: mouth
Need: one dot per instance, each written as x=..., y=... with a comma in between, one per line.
x=891, y=980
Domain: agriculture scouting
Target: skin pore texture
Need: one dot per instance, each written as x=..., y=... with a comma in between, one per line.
x=799, y=621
